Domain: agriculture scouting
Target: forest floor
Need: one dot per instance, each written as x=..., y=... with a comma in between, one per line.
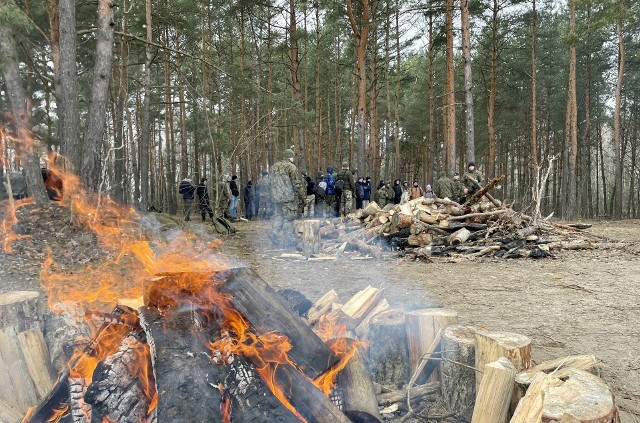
x=580, y=302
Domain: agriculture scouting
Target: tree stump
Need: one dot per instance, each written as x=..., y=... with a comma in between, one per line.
x=492, y=345
x=582, y=398
x=311, y=237
x=459, y=382
x=387, y=355
x=422, y=328
x=496, y=390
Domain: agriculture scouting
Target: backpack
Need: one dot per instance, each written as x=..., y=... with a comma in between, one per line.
x=331, y=184
x=340, y=185
x=321, y=189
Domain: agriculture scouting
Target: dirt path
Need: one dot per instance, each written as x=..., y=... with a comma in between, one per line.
x=579, y=303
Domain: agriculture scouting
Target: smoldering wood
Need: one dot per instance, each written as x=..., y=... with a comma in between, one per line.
x=267, y=312
x=388, y=353
x=357, y=390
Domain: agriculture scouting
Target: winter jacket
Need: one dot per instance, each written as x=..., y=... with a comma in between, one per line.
x=347, y=177
x=186, y=189
x=397, y=194
x=415, y=192
x=233, y=186
x=359, y=191
x=367, y=191
x=203, y=194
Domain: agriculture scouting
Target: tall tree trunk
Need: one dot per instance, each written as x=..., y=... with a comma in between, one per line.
x=450, y=94
x=92, y=152
x=361, y=35
x=571, y=137
x=69, y=119
x=534, y=93
x=120, y=171
x=184, y=158
x=318, y=95
x=617, y=136
x=586, y=205
x=433, y=143
x=294, y=63
x=468, y=81
x=170, y=161
x=491, y=165
x=396, y=102
x=54, y=37
x=387, y=89
x=26, y=147
x=373, y=167
x=145, y=139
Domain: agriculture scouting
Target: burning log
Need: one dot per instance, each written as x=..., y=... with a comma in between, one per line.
x=360, y=402
x=458, y=374
x=388, y=353
x=266, y=312
x=496, y=390
x=423, y=327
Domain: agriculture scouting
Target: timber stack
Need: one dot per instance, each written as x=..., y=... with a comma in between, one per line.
x=444, y=230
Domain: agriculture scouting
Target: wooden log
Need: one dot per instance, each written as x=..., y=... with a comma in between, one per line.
x=267, y=312
x=458, y=381
x=419, y=240
x=371, y=209
x=402, y=220
x=16, y=386
x=485, y=214
x=559, y=366
x=20, y=310
x=458, y=237
x=417, y=392
x=484, y=191
x=8, y=414
x=311, y=237
x=322, y=306
x=530, y=407
x=583, y=398
x=425, y=217
x=388, y=354
x=422, y=329
x=36, y=355
x=328, y=231
x=362, y=246
x=496, y=390
x=359, y=398
x=363, y=328
x=361, y=303
x=492, y=345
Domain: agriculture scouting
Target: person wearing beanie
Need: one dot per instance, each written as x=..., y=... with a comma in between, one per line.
x=330, y=195
x=288, y=192
x=472, y=174
x=203, y=200
x=428, y=191
x=415, y=191
x=187, y=190
x=345, y=188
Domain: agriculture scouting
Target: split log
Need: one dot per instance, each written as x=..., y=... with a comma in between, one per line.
x=419, y=240
x=422, y=328
x=321, y=306
x=388, y=354
x=417, y=392
x=458, y=374
x=360, y=402
x=441, y=201
x=492, y=345
x=8, y=414
x=374, y=250
x=485, y=214
x=371, y=209
x=560, y=367
x=311, y=237
x=401, y=220
x=531, y=405
x=496, y=390
x=581, y=244
x=383, y=219
x=528, y=231
x=582, y=398
x=20, y=310
x=16, y=386
x=36, y=355
x=458, y=237
x=361, y=303
x=267, y=312
x=363, y=328
x=425, y=217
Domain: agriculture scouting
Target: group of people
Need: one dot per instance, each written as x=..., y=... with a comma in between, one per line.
x=286, y=194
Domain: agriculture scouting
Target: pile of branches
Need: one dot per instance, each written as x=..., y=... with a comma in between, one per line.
x=435, y=229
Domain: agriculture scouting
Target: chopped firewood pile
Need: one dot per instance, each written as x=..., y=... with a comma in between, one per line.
x=440, y=229
x=426, y=367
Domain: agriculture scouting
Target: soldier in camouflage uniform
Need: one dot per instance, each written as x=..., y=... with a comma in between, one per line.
x=221, y=197
x=263, y=196
x=288, y=192
x=346, y=199
x=451, y=188
x=474, y=173
x=330, y=199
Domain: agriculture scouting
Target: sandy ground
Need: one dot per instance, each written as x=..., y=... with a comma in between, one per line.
x=578, y=303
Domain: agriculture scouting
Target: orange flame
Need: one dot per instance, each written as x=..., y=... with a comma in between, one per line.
x=58, y=413
x=6, y=226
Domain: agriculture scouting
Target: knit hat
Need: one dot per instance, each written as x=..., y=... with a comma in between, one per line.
x=288, y=153
x=471, y=164
x=345, y=164
x=330, y=169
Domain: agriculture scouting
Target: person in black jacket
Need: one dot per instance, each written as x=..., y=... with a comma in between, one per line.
x=233, y=201
x=366, y=186
x=187, y=190
x=397, y=191
x=248, y=197
x=203, y=200
x=359, y=193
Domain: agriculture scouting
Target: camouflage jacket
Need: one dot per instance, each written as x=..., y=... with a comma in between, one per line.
x=347, y=177
x=263, y=188
x=448, y=188
x=475, y=175
x=287, y=183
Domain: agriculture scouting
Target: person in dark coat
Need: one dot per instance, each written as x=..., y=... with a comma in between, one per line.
x=233, y=200
x=187, y=190
x=367, y=192
x=203, y=200
x=249, y=196
x=359, y=193
x=397, y=192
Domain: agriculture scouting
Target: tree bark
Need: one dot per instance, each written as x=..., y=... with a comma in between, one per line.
x=120, y=170
x=294, y=63
x=617, y=135
x=69, y=125
x=450, y=98
x=468, y=81
x=26, y=146
x=534, y=93
x=92, y=154
x=145, y=139
x=571, y=138
x=491, y=165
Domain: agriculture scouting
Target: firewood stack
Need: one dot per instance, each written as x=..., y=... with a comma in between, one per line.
x=443, y=230
x=424, y=365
